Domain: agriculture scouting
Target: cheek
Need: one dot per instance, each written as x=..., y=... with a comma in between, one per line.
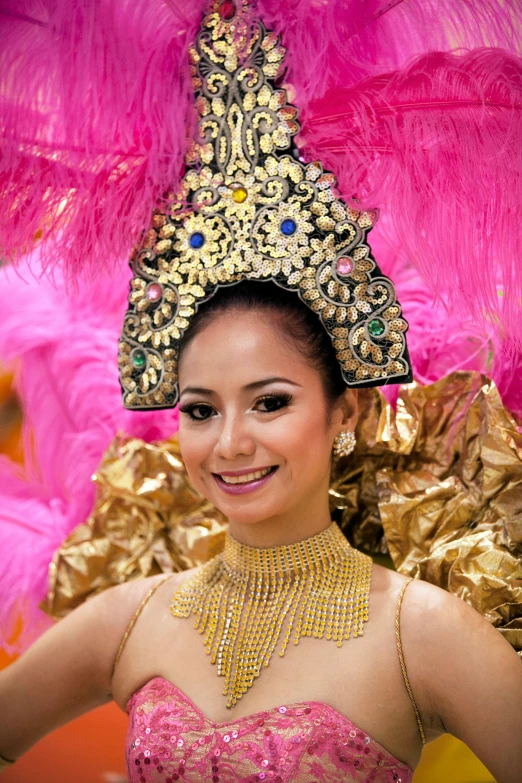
x=195, y=447
x=302, y=440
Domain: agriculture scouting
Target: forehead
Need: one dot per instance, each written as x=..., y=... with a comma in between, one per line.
x=241, y=347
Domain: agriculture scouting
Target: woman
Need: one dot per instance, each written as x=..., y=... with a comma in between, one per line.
x=266, y=382
x=260, y=389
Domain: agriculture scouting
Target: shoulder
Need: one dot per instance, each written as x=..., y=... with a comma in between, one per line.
x=465, y=668
x=119, y=605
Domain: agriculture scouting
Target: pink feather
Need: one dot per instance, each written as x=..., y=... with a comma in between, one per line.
x=64, y=348
x=437, y=148
x=340, y=42
x=96, y=100
x=95, y=115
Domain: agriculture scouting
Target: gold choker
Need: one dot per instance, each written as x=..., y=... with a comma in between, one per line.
x=242, y=597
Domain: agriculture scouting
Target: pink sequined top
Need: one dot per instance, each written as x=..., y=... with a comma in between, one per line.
x=170, y=739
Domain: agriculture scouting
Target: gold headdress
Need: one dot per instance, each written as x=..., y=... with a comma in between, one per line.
x=249, y=208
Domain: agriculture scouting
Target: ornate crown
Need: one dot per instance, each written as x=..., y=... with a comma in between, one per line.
x=248, y=208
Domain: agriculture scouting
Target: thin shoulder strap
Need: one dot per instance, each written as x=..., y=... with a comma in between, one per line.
x=403, y=665
x=134, y=618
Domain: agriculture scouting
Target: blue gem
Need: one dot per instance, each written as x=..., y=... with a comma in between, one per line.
x=288, y=227
x=197, y=240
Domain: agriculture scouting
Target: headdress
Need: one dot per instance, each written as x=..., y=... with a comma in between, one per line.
x=250, y=208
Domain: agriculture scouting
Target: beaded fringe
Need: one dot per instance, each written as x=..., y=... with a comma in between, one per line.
x=242, y=597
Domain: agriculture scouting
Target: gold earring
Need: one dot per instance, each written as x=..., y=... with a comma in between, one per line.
x=344, y=444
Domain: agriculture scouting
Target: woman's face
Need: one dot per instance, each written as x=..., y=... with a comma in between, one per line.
x=255, y=433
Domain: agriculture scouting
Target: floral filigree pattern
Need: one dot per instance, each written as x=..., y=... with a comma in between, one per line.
x=169, y=739
x=249, y=208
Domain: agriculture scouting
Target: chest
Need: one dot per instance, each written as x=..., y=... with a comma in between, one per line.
x=360, y=680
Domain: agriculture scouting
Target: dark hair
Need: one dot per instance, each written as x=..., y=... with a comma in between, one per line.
x=302, y=327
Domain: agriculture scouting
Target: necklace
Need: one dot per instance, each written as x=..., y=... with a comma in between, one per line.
x=242, y=597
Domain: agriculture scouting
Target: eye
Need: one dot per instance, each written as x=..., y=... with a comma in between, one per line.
x=197, y=411
x=274, y=402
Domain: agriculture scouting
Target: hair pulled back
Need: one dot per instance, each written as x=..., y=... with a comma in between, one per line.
x=298, y=325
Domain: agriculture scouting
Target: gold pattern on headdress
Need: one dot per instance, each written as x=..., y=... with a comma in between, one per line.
x=247, y=209
x=271, y=586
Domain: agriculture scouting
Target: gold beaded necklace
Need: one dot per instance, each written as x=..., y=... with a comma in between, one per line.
x=242, y=597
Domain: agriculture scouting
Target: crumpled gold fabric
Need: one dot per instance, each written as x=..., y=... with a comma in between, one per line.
x=147, y=520
x=437, y=484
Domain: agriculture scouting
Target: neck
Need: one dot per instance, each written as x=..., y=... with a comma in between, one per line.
x=298, y=524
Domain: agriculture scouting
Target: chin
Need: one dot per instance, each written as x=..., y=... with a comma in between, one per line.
x=246, y=516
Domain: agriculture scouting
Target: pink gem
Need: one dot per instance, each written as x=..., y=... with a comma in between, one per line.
x=344, y=266
x=227, y=10
x=154, y=292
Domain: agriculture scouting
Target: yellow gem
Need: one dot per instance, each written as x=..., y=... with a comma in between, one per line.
x=239, y=195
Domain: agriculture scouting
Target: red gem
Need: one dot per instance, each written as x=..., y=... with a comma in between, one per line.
x=344, y=266
x=227, y=10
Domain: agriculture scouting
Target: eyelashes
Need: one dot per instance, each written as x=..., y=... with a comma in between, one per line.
x=189, y=410
x=201, y=411
x=275, y=401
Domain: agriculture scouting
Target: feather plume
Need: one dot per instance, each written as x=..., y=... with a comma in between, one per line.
x=341, y=42
x=437, y=148
x=64, y=348
x=95, y=112
x=96, y=100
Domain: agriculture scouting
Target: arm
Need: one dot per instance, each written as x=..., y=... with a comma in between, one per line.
x=471, y=677
x=64, y=674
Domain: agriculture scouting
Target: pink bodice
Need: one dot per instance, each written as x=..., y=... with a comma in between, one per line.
x=169, y=739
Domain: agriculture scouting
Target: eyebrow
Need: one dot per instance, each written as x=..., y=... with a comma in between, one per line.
x=249, y=387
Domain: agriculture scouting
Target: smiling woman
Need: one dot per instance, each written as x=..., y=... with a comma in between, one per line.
x=257, y=305
x=259, y=384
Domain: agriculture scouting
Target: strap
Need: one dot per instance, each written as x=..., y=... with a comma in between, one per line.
x=403, y=665
x=134, y=618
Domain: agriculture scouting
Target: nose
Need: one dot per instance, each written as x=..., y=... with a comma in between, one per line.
x=234, y=438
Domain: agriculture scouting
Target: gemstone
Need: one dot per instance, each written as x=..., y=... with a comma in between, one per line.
x=227, y=10
x=138, y=360
x=239, y=195
x=154, y=292
x=344, y=265
x=376, y=327
x=197, y=240
x=288, y=227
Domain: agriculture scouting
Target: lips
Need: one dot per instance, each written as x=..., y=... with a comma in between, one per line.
x=240, y=482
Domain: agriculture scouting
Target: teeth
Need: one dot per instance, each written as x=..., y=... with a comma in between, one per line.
x=247, y=477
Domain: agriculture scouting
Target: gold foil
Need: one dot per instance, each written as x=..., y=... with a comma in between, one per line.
x=147, y=520
x=437, y=484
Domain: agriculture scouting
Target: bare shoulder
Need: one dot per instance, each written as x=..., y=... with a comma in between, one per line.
x=119, y=605
x=462, y=667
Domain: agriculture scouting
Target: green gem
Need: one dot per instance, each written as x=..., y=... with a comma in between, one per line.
x=376, y=327
x=139, y=359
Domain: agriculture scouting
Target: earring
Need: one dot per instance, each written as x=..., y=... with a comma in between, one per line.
x=344, y=444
